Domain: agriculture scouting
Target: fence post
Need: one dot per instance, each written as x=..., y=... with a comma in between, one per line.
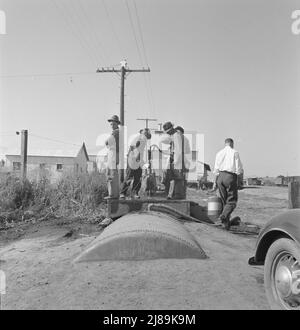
x=294, y=195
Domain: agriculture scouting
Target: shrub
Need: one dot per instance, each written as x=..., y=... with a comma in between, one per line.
x=71, y=195
x=15, y=193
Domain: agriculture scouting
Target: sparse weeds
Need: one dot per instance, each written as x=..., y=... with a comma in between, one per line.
x=72, y=196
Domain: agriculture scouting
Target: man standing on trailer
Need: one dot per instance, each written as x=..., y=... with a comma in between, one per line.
x=135, y=161
x=176, y=163
x=227, y=168
x=112, y=143
x=185, y=153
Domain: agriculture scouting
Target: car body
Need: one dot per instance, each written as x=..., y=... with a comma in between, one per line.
x=278, y=249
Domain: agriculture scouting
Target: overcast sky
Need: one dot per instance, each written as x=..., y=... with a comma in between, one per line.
x=224, y=68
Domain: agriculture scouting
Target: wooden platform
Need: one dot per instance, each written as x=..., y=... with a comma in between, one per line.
x=119, y=207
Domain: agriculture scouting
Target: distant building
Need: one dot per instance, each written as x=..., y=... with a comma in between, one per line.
x=98, y=162
x=51, y=165
x=252, y=181
x=281, y=180
x=284, y=180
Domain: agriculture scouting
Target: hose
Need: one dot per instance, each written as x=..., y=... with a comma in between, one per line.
x=169, y=210
x=178, y=215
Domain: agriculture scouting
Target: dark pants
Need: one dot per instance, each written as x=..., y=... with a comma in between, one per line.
x=172, y=176
x=112, y=182
x=136, y=176
x=227, y=184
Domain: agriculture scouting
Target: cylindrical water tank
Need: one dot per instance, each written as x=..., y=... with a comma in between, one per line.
x=214, y=207
x=143, y=236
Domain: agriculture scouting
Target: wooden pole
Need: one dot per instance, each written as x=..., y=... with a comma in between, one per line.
x=123, y=72
x=294, y=194
x=24, y=144
x=122, y=119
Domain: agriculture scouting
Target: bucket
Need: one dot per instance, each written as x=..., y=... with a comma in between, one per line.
x=214, y=207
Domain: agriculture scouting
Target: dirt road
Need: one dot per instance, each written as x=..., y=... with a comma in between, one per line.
x=40, y=273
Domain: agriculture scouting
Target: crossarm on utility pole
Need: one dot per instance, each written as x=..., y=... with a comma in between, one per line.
x=147, y=120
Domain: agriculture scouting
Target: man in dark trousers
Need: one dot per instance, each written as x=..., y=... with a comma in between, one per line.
x=135, y=161
x=112, y=144
x=227, y=168
x=177, y=162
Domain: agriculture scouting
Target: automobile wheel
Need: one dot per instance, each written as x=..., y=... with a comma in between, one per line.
x=282, y=275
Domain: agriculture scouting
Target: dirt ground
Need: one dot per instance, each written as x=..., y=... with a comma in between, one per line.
x=37, y=260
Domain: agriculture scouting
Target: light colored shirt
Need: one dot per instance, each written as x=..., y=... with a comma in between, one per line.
x=228, y=160
x=136, y=153
x=175, y=141
x=112, y=144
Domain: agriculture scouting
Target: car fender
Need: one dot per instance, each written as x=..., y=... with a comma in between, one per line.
x=286, y=225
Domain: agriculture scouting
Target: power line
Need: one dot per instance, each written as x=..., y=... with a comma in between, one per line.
x=134, y=34
x=82, y=42
x=35, y=75
x=145, y=54
x=138, y=49
x=147, y=83
x=70, y=74
x=141, y=34
x=75, y=15
x=93, y=30
x=54, y=140
x=113, y=29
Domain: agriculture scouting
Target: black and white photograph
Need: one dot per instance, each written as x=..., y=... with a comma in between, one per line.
x=149, y=157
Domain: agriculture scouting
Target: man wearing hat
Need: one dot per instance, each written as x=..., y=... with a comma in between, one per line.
x=112, y=143
x=177, y=161
x=135, y=162
x=186, y=151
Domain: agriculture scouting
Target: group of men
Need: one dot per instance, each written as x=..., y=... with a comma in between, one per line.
x=227, y=166
x=135, y=160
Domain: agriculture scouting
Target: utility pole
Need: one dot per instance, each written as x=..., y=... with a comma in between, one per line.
x=147, y=120
x=123, y=71
x=24, y=146
x=159, y=132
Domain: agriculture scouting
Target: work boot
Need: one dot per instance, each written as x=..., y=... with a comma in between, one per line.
x=226, y=224
x=220, y=220
x=236, y=221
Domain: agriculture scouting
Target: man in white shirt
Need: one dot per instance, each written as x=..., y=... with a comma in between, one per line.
x=227, y=168
x=135, y=162
x=112, y=144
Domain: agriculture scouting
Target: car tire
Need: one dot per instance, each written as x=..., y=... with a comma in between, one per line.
x=280, y=257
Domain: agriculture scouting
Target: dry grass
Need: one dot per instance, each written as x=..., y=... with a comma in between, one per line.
x=72, y=196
